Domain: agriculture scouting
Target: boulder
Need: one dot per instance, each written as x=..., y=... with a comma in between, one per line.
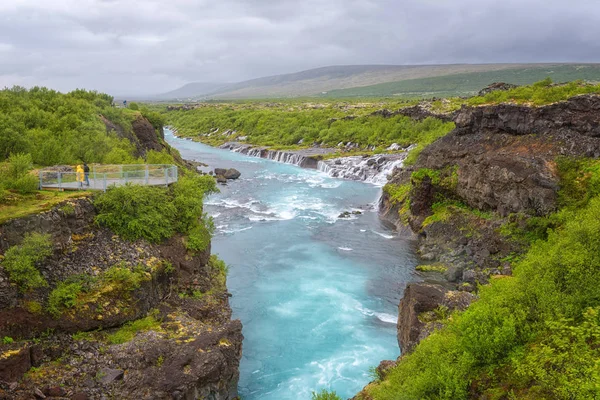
x=109, y=375
x=232, y=173
x=418, y=298
x=220, y=171
x=221, y=179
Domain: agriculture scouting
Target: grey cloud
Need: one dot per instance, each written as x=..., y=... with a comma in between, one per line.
x=148, y=46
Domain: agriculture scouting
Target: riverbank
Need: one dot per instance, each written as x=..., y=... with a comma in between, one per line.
x=484, y=200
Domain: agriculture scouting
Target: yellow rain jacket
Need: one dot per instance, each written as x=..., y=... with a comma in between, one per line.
x=79, y=174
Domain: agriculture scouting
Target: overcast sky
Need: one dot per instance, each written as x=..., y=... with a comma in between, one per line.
x=152, y=46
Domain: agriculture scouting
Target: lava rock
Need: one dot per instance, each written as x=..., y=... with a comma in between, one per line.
x=220, y=171
x=109, y=375
x=221, y=179
x=232, y=173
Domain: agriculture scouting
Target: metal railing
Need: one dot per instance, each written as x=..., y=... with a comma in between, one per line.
x=102, y=177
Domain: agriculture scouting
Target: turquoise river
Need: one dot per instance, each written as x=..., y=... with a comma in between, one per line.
x=317, y=294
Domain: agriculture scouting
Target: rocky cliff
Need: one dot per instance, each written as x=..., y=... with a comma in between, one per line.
x=114, y=318
x=498, y=167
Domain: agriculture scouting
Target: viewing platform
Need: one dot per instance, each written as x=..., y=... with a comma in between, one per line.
x=101, y=177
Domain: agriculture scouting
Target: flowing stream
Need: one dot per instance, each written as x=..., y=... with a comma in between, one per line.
x=317, y=294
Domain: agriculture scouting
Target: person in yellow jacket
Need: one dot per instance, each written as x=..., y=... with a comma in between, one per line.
x=79, y=175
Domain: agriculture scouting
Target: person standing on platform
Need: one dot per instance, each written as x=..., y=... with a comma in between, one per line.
x=86, y=172
x=79, y=175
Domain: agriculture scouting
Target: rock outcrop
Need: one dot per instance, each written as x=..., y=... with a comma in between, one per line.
x=142, y=134
x=496, y=86
x=506, y=154
x=167, y=335
x=500, y=159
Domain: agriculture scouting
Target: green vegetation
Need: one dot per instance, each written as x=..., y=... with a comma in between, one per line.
x=19, y=261
x=15, y=175
x=468, y=84
x=155, y=214
x=7, y=340
x=17, y=206
x=42, y=127
x=56, y=128
x=325, y=395
x=288, y=124
x=79, y=290
x=130, y=329
x=397, y=193
x=534, y=335
x=537, y=94
x=432, y=268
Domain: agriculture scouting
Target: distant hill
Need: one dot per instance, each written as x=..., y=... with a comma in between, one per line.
x=467, y=84
x=385, y=80
x=192, y=90
x=315, y=81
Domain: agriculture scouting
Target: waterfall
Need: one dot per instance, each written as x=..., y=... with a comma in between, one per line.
x=372, y=169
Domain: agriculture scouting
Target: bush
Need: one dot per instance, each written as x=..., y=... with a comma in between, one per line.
x=325, y=395
x=123, y=278
x=15, y=174
x=19, y=261
x=536, y=332
x=137, y=212
x=62, y=297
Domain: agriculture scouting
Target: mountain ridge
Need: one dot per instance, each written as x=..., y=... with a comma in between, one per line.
x=320, y=81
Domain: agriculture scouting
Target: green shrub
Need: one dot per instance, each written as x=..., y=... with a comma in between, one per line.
x=19, y=261
x=137, y=212
x=159, y=157
x=563, y=362
x=154, y=214
x=62, y=297
x=198, y=238
x=15, y=174
x=325, y=395
x=7, y=340
x=533, y=332
x=123, y=278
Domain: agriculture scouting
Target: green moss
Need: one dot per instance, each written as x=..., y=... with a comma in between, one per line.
x=419, y=175
x=432, y=268
x=67, y=209
x=19, y=261
x=130, y=329
x=33, y=307
x=397, y=193
x=7, y=340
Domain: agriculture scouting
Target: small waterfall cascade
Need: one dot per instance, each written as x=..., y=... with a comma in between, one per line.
x=374, y=169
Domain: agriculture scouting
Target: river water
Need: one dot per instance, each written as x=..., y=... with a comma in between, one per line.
x=317, y=294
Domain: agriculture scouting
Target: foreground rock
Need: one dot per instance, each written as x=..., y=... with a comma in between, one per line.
x=182, y=344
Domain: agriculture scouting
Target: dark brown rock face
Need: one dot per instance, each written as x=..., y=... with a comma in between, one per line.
x=576, y=116
x=495, y=87
x=192, y=349
x=143, y=135
x=146, y=135
x=506, y=154
x=418, y=298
